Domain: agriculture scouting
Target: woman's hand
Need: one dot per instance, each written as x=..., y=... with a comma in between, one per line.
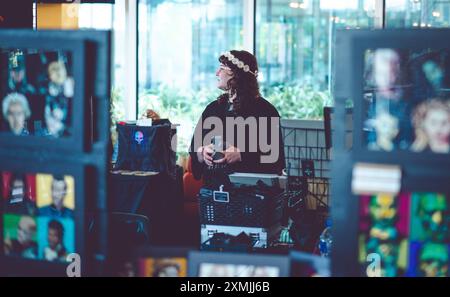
x=232, y=155
x=204, y=154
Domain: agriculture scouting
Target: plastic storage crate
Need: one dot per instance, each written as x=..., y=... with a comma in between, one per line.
x=247, y=206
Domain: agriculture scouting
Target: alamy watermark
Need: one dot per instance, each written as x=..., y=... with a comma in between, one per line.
x=374, y=267
x=257, y=139
x=74, y=268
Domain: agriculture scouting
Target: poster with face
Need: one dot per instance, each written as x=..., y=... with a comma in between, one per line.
x=429, y=259
x=19, y=193
x=36, y=92
x=430, y=217
x=56, y=238
x=163, y=267
x=407, y=104
x=38, y=217
x=55, y=195
x=383, y=228
x=20, y=238
x=409, y=233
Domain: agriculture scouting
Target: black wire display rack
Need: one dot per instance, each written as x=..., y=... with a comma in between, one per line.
x=307, y=162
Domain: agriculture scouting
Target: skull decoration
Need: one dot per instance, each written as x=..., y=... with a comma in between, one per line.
x=139, y=137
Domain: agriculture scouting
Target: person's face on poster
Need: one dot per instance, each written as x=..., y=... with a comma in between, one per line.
x=169, y=271
x=387, y=129
x=382, y=208
x=16, y=118
x=434, y=260
x=59, y=192
x=434, y=268
x=53, y=238
x=433, y=73
x=436, y=126
x=25, y=231
x=57, y=72
x=54, y=119
x=386, y=68
x=386, y=126
x=434, y=216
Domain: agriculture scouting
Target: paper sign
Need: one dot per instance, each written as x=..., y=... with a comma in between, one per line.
x=376, y=178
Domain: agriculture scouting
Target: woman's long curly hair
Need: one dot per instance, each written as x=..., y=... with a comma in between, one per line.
x=243, y=84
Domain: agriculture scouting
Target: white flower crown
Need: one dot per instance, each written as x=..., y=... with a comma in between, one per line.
x=239, y=63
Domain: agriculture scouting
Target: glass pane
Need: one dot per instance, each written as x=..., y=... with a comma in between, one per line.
x=417, y=13
x=110, y=17
x=295, y=45
x=95, y=16
x=119, y=57
x=179, y=46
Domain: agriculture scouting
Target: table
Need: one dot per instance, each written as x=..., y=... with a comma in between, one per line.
x=152, y=194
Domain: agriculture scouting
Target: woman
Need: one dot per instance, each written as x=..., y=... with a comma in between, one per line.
x=244, y=126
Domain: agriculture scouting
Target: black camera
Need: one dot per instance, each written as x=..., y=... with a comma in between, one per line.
x=217, y=142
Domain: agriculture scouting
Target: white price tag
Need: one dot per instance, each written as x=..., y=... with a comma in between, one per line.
x=376, y=178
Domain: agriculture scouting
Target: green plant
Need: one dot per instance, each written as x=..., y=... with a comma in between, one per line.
x=294, y=101
x=183, y=107
x=117, y=110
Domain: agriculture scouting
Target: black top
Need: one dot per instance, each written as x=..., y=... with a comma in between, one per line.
x=260, y=110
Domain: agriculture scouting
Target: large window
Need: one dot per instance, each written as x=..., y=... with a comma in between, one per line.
x=179, y=44
x=417, y=13
x=111, y=17
x=96, y=16
x=295, y=46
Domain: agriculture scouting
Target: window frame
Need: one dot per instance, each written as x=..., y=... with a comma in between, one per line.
x=249, y=32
